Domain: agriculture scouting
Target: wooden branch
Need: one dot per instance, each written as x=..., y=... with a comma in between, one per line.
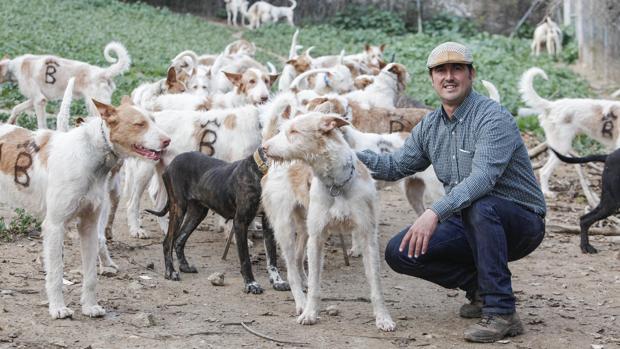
x=258, y=334
x=537, y=150
x=527, y=14
x=573, y=229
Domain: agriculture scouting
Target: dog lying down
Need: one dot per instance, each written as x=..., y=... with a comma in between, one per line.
x=196, y=183
x=610, y=193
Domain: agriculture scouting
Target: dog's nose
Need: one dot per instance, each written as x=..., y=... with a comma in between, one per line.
x=264, y=98
x=165, y=143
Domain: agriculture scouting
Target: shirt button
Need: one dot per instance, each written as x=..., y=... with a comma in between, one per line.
x=453, y=132
x=454, y=156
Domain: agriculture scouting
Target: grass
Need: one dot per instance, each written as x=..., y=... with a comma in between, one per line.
x=19, y=226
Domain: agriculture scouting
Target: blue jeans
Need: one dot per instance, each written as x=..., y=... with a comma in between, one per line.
x=471, y=251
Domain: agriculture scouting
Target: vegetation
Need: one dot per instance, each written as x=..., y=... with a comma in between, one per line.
x=21, y=225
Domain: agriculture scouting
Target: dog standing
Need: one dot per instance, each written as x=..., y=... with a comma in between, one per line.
x=44, y=78
x=610, y=193
x=196, y=183
x=564, y=118
x=261, y=12
x=61, y=176
x=548, y=33
x=342, y=198
x=234, y=7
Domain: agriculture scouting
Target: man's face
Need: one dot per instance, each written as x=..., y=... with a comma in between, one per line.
x=452, y=81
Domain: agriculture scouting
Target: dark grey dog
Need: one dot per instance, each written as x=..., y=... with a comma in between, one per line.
x=610, y=193
x=195, y=183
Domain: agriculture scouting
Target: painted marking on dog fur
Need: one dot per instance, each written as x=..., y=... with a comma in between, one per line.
x=230, y=121
x=206, y=134
x=50, y=70
x=16, y=152
x=608, y=124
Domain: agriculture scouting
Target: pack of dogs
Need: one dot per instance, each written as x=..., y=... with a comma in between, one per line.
x=228, y=134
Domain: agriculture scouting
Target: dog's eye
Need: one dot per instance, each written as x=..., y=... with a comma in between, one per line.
x=252, y=81
x=139, y=124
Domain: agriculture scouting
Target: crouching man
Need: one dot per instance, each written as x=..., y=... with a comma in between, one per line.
x=493, y=211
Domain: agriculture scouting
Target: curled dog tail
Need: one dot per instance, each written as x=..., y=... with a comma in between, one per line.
x=122, y=62
x=293, y=4
x=304, y=75
x=62, y=120
x=528, y=94
x=582, y=160
x=292, y=53
x=492, y=90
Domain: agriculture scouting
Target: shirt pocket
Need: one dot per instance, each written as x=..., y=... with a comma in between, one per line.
x=465, y=158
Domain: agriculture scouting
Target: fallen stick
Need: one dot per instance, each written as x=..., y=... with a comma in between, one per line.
x=573, y=229
x=378, y=337
x=537, y=150
x=258, y=334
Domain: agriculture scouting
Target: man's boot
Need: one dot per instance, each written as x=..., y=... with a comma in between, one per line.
x=494, y=327
x=473, y=309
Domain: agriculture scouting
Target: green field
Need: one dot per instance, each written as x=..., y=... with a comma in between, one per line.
x=80, y=30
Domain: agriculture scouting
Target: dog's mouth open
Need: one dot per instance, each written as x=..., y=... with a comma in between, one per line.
x=147, y=153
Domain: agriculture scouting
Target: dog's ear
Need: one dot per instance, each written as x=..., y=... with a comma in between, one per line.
x=382, y=64
x=235, y=78
x=79, y=120
x=382, y=47
x=273, y=78
x=291, y=61
x=126, y=100
x=171, y=77
x=330, y=122
x=105, y=111
x=315, y=102
x=366, y=47
x=286, y=113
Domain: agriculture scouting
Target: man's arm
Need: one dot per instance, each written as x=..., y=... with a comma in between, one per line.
x=402, y=163
x=496, y=142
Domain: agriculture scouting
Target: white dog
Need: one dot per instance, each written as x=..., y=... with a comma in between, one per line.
x=549, y=34
x=44, y=78
x=261, y=12
x=61, y=176
x=564, y=118
x=342, y=197
x=384, y=89
x=233, y=7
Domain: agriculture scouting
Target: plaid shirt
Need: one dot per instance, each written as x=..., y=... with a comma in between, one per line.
x=478, y=152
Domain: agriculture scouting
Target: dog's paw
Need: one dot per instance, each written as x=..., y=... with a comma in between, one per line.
x=385, y=323
x=308, y=317
x=109, y=270
x=139, y=233
x=253, y=287
x=60, y=312
x=93, y=311
x=172, y=275
x=299, y=307
x=354, y=252
x=281, y=286
x=186, y=268
x=587, y=248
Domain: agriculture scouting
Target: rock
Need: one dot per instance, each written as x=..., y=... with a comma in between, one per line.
x=596, y=346
x=332, y=310
x=217, y=279
x=150, y=266
x=452, y=293
x=504, y=341
x=144, y=320
x=7, y=292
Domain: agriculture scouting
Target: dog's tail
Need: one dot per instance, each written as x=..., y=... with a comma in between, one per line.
x=293, y=4
x=121, y=62
x=492, y=90
x=304, y=75
x=62, y=120
x=189, y=60
x=292, y=53
x=528, y=94
x=582, y=160
x=162, y=212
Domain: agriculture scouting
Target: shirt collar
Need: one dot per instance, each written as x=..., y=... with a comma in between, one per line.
x=462, y=110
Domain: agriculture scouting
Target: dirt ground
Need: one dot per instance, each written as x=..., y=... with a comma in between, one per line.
x=565, y=299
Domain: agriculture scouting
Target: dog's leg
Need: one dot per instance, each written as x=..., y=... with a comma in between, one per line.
x=87, y=229
x=301, y=240
x=371, y=267
x=272, y=257
x=559, y=138
x=141, y=178
x=114, y=195
x=606, y=207
x=107, y=266
x=39, y=110
x=316, y=243
x=240, y=227
x=18, y=109
x=194, y=215
x=53, y=230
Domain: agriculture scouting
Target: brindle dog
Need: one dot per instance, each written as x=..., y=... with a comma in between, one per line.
x=195, y=183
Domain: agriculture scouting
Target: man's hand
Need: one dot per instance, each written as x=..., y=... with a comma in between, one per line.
x=419, y=234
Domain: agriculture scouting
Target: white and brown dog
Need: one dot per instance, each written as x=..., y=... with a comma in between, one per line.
x=44, y=78
x=565, y=118
x=342, y=197
x=384, y=89
x=145, y=95
x=549, y=34
x=61, y=176
x=262, y=12
x=233, y=8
